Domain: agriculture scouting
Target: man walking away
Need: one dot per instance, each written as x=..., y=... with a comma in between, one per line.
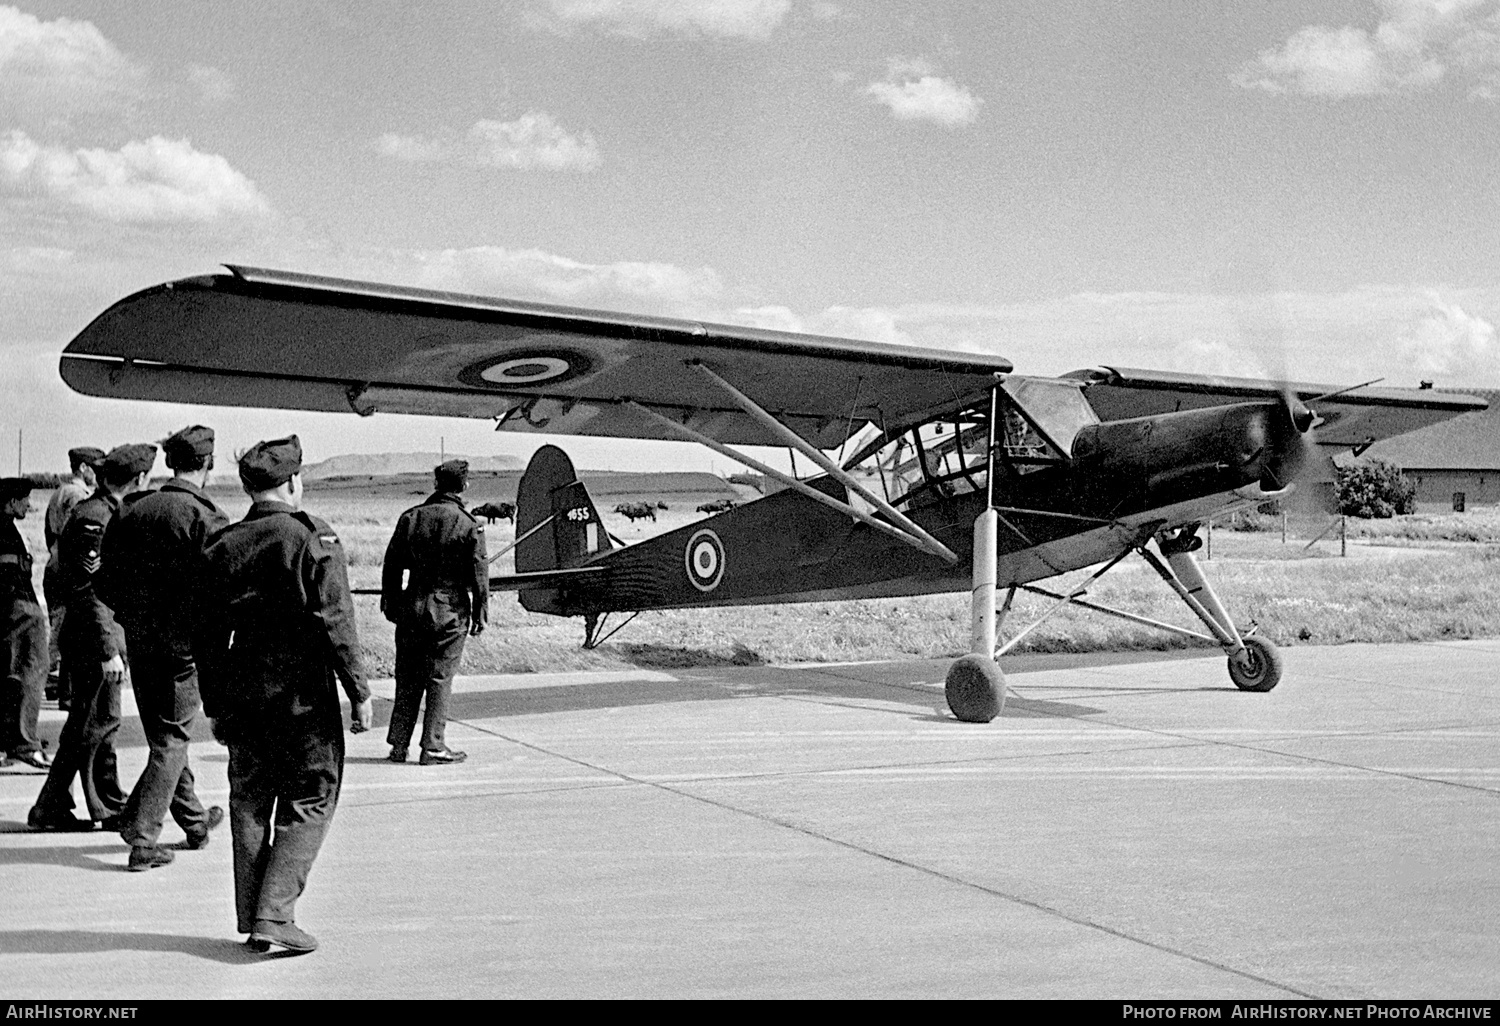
x=23, y=634
x=439, y=548
x=276, y=627
x=93, y=649
x=69, y=494
x=153, y=554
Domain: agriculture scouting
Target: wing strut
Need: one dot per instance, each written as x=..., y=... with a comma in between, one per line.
x=801, y=486
x=828, y=466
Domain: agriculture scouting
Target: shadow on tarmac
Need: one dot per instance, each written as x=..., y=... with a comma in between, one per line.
x=88, y=942
x=67, y=857
x=701, y=682
x=704, y=687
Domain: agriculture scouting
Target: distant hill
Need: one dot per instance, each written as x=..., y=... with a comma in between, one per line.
x=388, y=464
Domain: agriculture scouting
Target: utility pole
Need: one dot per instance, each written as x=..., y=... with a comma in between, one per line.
x=20, y=449
x=442, y=450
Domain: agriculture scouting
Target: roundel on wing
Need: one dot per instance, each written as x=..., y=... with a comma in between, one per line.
x=526, y=369
x=704, y=558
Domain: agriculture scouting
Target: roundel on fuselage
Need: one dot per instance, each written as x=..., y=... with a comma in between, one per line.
x=704, y=559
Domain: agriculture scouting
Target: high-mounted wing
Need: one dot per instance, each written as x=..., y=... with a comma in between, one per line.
x=1350, y=420
x=278, y=339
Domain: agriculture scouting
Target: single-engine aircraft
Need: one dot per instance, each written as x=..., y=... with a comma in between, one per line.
x=952, y=472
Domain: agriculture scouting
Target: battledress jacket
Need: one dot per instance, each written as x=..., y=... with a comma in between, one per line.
x=440, y=547
x=153, y=554
x=275, y=626
x=90, y=622
x=15, y=566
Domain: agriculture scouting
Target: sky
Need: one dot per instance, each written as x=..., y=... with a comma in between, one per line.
x=1306, y=189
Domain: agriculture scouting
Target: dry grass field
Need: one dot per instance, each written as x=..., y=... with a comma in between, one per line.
x=1413, y=578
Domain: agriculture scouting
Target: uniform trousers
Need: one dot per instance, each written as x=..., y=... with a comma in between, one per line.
x=426, y=659
x=166, y=694
x=23, y=658
x=283, y=789
x=86, y=748
x=56, y=611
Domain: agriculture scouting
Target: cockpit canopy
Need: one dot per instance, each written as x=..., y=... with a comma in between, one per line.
x=1038, y=420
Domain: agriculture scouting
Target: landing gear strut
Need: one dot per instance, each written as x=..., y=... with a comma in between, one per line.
x=975, y=686
x=1254, y=662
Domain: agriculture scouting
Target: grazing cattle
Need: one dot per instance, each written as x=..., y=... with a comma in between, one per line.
x=637, y=511
x=718, y=506
x=493, y=511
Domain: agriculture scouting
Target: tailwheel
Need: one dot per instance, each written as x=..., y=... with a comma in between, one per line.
x=1259, y=668
x=975, y=688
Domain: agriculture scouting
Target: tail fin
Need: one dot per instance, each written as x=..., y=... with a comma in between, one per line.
x=550, y=489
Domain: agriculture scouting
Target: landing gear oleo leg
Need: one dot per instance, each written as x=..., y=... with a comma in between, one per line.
x=975, y=685
x=1254, y=662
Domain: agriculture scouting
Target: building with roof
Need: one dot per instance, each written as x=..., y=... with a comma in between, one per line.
x=1454, y=464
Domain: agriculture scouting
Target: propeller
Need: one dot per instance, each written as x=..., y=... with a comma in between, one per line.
x=1295, y=457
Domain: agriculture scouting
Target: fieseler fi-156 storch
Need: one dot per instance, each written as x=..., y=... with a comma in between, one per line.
x=952, y=473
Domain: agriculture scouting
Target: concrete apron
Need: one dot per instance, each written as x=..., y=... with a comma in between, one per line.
x=1131, y=827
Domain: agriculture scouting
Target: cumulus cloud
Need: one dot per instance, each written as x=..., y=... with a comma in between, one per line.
x=1214, y=356
x=751, y=19
x=156, y=181
x=914, y=93
x=1415, y=45
x=63, y=64
x=872, y=324
x=656, y=287
x=533, y=140
x=1339, y=338
x=1447, y=342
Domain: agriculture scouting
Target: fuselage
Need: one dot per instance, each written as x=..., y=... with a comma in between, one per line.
x=1120, y=477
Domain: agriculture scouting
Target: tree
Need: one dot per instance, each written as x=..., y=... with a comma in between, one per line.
x=1375, y=489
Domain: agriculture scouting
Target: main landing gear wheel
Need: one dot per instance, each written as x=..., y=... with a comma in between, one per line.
x=975, y=689
x=1261, y=670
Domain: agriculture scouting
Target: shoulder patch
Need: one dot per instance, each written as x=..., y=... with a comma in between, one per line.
x=328, y=539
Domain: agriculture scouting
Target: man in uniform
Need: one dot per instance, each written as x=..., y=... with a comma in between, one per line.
x=439, y=548
x=153, y=553
x=68, y=495
x=276, y=627
x=93, y=648
x=23, y=633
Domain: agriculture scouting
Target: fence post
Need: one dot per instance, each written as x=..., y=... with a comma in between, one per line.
x=1209, y=551
x=1283, y=527
x=1343, y=535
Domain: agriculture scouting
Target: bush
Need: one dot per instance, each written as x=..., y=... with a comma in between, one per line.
x=756, y=481
x=1375, y=490
x=46, y=480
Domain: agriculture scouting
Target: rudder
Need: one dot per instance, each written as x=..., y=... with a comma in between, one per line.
x=550, y=488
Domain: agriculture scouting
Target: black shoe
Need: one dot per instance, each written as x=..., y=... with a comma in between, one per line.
x=199, y=838
x=62, y=822
x=442, y=756
x=259, y=945
x=398, y=754
x=144, y=857
x=283, y=935
x=38, y=760
x=64, y=704
x=112, y=822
